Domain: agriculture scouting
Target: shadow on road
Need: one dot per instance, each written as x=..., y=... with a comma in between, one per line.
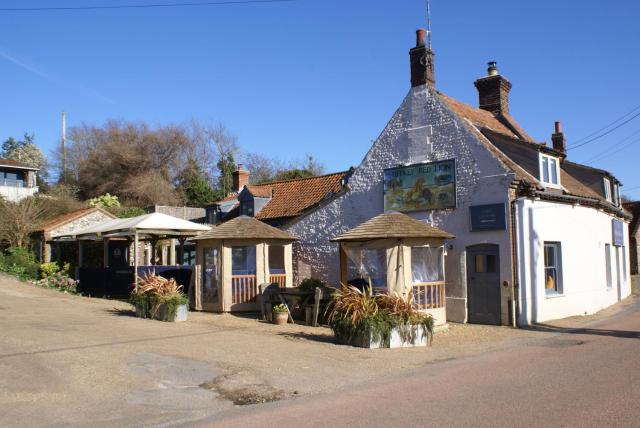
x=309, y=336
x=624, y=334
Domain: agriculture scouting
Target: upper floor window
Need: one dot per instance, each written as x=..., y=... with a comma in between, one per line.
x=616, y=194
x=246, y=207
x=549, y=170
x=606, y=183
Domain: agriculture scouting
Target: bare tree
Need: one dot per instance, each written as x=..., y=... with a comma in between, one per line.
x=19, y=219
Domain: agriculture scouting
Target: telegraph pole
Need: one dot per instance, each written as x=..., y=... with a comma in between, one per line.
x=64, y=148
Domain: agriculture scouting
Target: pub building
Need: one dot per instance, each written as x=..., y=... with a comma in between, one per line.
x=537, y=236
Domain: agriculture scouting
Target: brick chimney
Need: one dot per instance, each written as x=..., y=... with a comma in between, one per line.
x=493, y=91
x=240, y=178
x=422, y=69
x=559, y=142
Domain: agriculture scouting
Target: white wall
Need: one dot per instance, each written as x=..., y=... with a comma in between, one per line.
x=583, y=233
x=422, y=129
x=15, y=193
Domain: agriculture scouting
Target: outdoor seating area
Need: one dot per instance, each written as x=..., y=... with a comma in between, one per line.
x=397, y=254
x=234, y=259
x=133, y=247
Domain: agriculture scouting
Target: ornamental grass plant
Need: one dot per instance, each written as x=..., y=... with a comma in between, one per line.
x=357, y=316
x=153, y=292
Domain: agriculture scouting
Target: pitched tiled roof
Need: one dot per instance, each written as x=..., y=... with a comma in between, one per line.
x=71, y=216
x=634, y=209
x=293, y=197
x=244, y=227
x=15, y=164
x=520, y=153
x=392, y=225
x=264, y=191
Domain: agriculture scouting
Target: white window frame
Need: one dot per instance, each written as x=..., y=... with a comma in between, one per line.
x=549, y=171
x=606, y=184
x=616, y=194
x=556, y=264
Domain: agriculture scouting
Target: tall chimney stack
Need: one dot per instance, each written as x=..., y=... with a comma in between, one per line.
x=421, y=57
x=559, y=142
x=240, y=178
x=493, y=91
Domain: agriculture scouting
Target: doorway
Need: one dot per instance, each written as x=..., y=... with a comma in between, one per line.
x=483, y=284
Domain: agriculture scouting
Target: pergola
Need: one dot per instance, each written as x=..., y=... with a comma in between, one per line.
x=149, y=227
x=399, y=254
x=234, y=258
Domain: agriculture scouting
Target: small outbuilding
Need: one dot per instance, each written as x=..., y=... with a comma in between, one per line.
x=234, y=258
x=400, y=255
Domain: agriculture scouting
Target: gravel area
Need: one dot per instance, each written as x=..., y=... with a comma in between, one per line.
x=76, y=359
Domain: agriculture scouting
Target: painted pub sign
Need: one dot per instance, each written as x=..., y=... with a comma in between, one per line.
x=425, y=186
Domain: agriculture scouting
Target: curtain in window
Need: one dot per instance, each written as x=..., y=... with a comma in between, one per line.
x=276, y=259
x=243, y=260
x=426, y=264
x=364, y=264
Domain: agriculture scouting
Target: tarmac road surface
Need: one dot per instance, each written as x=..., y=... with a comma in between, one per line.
x=586, y=377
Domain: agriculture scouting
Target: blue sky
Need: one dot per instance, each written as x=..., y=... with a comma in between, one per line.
x=320, y=76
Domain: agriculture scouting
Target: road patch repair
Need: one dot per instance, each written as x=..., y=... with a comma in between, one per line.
x=95, y=361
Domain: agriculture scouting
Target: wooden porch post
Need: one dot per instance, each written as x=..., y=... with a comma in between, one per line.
x=105, y=253
x=172, y=252
x=135, y=258
x=343, y=265
x=181, y=250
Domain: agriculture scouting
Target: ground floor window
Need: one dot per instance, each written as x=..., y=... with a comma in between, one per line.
x=243, y=260
x=367, y=265
x=552, y=268
x=426, y=264
x=210, y=275
x=276, y=259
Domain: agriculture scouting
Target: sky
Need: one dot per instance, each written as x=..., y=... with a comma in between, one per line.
x=321, y=77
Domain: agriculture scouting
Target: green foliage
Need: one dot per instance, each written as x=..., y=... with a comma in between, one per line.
x=59, y=281
x=21, y=263
x=195, y=186
x=226, y=165
x=105, y=201
x=50, y=269
x=127, y=212
x=359, y=316
x=292, y=174
x=281, y=308
x=154, y=292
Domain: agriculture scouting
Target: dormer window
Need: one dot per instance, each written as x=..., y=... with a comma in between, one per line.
x=606, y=184
x=549, y=170
x=246, y=207
x=616, y=194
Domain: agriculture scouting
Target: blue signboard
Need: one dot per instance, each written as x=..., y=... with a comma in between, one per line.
x=618, y=232
x=488, y=217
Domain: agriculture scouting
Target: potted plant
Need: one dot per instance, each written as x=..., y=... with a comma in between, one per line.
x=280, y=314
x=159, y=298
x=368, y=320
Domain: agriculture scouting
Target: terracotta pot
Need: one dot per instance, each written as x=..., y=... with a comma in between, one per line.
x=280, y=318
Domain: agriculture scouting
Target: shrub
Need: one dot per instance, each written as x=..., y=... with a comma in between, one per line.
x=356, y=315
x=59, y=281
x=20, y=262
x=153, y=291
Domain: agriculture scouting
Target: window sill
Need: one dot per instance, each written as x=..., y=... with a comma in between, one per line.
x=553, y=296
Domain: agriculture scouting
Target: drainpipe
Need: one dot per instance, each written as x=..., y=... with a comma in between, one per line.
x=515, y=228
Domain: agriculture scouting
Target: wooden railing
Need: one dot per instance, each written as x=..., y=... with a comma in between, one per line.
x=429, y=295
x=243, y=289
x=278, y=278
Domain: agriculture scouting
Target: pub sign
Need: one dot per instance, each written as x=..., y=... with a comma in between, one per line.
x=618, y=232
x=488, y=217
x=424, y=186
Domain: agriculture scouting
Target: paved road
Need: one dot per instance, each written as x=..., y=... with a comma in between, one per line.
x=584, y=377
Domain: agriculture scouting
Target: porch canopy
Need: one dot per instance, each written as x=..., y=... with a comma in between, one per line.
x=397, y=253
x=148, y=227
x=233, y=258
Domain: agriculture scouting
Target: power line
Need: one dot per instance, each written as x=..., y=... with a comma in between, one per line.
x=606, y=126
x=140, y=6
x=608, y=150
x=631, y=188
x=616, y=151
x=606, y=133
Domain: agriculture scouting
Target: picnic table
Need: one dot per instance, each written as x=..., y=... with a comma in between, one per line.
x=270, y=294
